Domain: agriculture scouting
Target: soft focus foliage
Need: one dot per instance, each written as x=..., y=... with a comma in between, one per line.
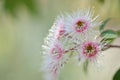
x=117, y=75
x=12, y=5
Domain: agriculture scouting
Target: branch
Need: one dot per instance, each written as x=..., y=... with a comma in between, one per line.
x=114, y=46
x=71, y=49
x=105, y=48
x=110, y=46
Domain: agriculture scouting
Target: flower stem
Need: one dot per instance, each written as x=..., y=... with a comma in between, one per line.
x=110, y=46
x=71, y=49
x=106, y=47
x=114, y=46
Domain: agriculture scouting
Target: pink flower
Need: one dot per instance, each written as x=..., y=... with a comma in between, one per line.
x=54, y=60
x=60, y=25
x=90, y=50
x=70, y=33
x=81, y=25
x=57, y=51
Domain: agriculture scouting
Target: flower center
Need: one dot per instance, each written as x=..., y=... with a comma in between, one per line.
x=54, y=51
x=80, y=26
x=90, y=49
x=57, y=51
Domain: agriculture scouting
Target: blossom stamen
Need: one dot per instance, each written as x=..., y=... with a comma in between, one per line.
x=57, y=51
x=90, y=49
x=80, y=26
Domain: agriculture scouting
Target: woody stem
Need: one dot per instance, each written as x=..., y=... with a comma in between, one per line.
x=110, y=46
x=106, y=47
x=113, y=46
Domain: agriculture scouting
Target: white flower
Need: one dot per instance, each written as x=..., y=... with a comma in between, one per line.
x=60, y=25
x=54, y=60
x=91, y=49
x=80, y=24
x=70, y=34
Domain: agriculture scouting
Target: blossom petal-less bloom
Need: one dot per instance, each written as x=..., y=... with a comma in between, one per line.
x=89, y=50
x=80, y=24
x=54, y=60
x=60, y=25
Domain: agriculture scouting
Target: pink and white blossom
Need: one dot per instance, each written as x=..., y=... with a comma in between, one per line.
x=54, y=60
x=80, y=24
x=71, y=34
x=89, y=50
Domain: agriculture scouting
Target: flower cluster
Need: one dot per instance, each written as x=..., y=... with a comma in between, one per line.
x=71, y=34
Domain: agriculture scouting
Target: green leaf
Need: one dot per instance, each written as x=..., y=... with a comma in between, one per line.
x=117, y=75
x=109, y=34
x=11, y=6
x=107, y=40
x=102, y=26
x=102, y=1
x=30, y=4
x=118, y=33
x=110, y=40
x=85, y=66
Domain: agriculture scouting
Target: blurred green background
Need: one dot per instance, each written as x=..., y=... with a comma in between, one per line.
x=25, y=23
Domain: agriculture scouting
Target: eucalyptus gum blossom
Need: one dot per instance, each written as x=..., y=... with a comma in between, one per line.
x=72, y=34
